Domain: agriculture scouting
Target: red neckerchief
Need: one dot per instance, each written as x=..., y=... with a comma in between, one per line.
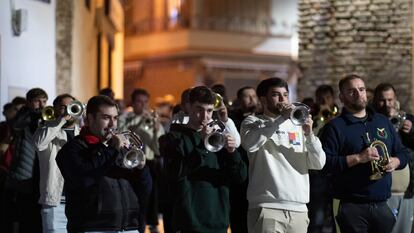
x=89, y=138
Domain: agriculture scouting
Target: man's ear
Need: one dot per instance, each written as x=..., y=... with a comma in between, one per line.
x=341, y=97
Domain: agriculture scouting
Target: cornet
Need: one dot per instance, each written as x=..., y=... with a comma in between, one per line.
x=132, y=155
x=378, y=167
x=299, y=113
x=216, y=140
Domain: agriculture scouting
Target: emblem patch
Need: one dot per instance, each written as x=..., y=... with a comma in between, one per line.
x=294, y=138
x=382, y=133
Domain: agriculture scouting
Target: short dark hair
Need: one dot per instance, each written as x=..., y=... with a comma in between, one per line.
x=269, y=83
x=345, y=80
x=321, y=91
x=219, y=89
x=241, y=90
x=35, y=93
x=59, y=99
x=108, y=92
x=185, y=96
x=7, y=107
x=18, y=100
x=201, y=94
x=96, y=102
x=137, y=92
x=379, y=89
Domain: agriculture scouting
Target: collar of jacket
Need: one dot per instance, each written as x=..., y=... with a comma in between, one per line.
x=88, y=137
x=352, y=119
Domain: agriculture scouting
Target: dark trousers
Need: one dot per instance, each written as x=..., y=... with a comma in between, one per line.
x=373, y=217
x=320, y=204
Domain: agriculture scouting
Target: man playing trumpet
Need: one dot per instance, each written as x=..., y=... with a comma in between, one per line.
x=280, y=155
x=199, y=179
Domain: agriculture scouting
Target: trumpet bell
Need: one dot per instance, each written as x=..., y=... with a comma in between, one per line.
x=214, y=141
x=48, y=113
x=218, y=102
x=379, y=166
x=75, y=109
x=133, y=158
x=299, y=113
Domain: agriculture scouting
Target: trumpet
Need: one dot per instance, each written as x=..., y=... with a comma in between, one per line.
x=398, y=119
x=216, y=140
x=75, y=109
x=378, y=167
x=131, y=156
x=48, y=113
x=299, y=113
x=218, y=102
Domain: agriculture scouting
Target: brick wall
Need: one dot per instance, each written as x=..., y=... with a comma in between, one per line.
x=371, y=38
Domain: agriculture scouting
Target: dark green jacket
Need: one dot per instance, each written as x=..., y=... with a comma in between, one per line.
x=199, y=181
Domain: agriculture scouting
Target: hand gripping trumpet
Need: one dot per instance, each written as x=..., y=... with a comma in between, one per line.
x=131, y=156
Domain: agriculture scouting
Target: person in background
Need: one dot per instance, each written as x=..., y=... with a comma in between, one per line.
x=22, y=184
x=49, y=139
x=144, y=122
x=248, y=105
x=401, y=200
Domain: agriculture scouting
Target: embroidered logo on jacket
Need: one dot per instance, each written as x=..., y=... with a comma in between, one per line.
x=382, y=133
x=294, y=138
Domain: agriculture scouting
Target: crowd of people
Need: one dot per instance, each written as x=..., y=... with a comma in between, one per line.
x=257, y=164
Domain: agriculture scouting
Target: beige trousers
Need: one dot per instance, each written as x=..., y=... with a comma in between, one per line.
x=265, y=220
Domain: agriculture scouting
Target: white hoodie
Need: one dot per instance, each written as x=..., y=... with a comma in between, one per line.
x=280, y=156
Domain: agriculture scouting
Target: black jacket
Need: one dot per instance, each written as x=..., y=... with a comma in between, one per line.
x=99, y=195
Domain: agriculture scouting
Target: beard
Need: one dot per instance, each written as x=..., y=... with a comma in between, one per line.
x=359, y=105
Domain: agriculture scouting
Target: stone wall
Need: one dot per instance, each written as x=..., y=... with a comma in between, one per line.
x=372, y=38
x=64, y=22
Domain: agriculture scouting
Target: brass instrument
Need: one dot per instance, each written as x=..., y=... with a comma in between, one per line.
x=218, y=102
x=132, y=155
x=76, y=109
x=216, y=140
x=48, y=113
x=299, y=113
x=327, y=114
x=378, y=166
x=400, y=116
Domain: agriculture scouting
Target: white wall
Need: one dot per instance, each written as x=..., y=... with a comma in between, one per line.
x=28, y=60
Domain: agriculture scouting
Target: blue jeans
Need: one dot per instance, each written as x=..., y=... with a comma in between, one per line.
x=54, y=219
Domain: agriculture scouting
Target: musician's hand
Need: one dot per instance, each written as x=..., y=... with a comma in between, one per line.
x=118, y=141
x=368, y=154
x=285, y=110
x=307, y=126
x=406, y=126
x=230, y=144
x=393, y=164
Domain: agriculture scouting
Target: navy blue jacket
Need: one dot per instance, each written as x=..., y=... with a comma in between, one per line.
x=346, y=135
